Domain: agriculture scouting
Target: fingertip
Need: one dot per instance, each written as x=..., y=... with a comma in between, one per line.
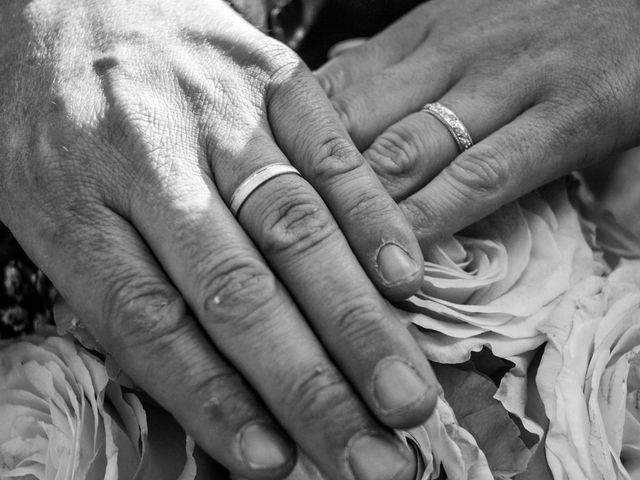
x=418, y=415
x=404, y=398
x=265, y=452
x=380, y=457
x=400, y=271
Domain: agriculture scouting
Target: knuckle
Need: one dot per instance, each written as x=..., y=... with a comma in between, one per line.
x=482, y=169
x=371, y=207
x=420, y=216
x=130, y=121
x=592, y=106
x=223, y=396
x=359, y=320
x=296, y=223
x=280, y=64
x=278, y=58
x=337, y=73
x=394, y=153
x=336, y=158
x=141, y=314
x=58, y=151
x=328, y=81
x=235, y=289
x=318, y=393
x=344, y=108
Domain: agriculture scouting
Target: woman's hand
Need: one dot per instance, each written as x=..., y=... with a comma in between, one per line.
x=544, y=87
x=125, y=128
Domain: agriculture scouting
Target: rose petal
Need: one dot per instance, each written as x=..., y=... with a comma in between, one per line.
x=471, y=396
x=500, y=302
x=62, y=418
x=444, y=442
x=593, y=337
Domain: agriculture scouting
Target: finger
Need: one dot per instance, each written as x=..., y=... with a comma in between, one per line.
x=296, y=233
x=310, y=135
x=139, y=318
x=239, y=303
x=298, y=236
x=535, y=148
x=388, y=47
x=344, y=46
x=367, y=108
x=414, y=150
x=292, y=227
x=251, y=318
x=243, y=307
x=237, y=299
x=304, y=470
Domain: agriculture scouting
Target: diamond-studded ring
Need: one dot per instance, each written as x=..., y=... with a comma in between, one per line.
x=452, y=122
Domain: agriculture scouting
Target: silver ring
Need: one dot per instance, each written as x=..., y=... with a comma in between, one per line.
x=450, y=120
x=257, y=178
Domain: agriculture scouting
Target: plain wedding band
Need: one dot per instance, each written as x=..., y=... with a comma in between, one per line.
x=257, y=178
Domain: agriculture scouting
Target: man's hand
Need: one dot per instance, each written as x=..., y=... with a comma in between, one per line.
x=544, y=87
x=125, y=128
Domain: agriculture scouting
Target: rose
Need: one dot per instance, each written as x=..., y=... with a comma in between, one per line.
x=493, y=285
x=442, y=444
x=61, y=417
x=589, y=379
x=512, y=282
x=495, y=282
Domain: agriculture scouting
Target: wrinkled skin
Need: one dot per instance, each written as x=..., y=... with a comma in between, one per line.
x=125, y=126
x=544, y=87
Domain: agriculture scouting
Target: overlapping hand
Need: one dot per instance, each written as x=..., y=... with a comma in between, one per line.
x=543, y=87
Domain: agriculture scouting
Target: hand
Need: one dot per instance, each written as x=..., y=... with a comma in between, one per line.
x=125, y=128
x=544, y=87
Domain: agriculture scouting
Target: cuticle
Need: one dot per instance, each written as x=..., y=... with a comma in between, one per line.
x=368, y=432
x=372, y=386
x=240, y=451
x=377, y=265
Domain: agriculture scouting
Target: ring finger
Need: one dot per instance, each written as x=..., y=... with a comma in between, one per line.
x=411, y=152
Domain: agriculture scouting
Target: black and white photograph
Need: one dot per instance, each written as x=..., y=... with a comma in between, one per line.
x=319, y=240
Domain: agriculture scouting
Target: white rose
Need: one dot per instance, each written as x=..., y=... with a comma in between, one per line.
x=589, y=379
x=496, y=281
x=61, y=418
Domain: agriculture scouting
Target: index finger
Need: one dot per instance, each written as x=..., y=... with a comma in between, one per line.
x=385, y=49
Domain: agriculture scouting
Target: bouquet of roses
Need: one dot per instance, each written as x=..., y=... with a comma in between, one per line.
x=537, y=344
x=531, y=318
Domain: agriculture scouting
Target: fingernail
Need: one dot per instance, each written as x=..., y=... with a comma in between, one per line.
x=376, y=458
x=395, y=264
x=397, y=385
x=262, y=447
